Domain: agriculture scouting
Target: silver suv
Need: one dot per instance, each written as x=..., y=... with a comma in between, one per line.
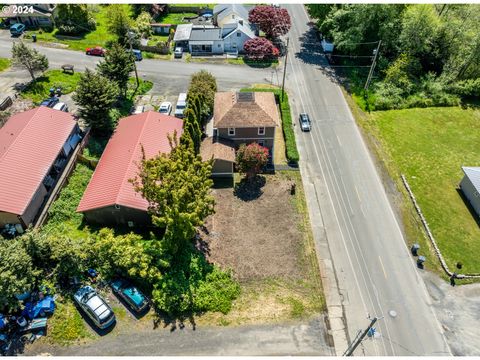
x=95, y=307
x=305, y=122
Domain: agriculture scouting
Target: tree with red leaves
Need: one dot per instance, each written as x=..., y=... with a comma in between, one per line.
x=251, y=159
x=260, y=49
x=273, y=21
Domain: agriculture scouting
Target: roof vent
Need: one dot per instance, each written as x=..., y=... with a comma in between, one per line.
x=245, y=96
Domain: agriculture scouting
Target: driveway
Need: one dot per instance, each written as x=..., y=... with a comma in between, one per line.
x=307, y=338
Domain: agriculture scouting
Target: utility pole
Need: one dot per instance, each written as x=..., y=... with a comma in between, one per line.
x=129, y=35
x=358, y=340
x=372, y=67
x=285, y=67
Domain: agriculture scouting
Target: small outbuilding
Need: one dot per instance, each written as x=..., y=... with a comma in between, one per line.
x=223, y=154
x=470, y=186
x=110, y=198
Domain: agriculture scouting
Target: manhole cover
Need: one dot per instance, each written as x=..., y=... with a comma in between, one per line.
x=392, y=313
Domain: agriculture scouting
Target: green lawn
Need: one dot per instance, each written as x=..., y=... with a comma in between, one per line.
x=429, y=146
x=175, y=18
x=154, y=39
x=98, y=37
x=40, y=89
x=210, y=6
x=257, y=64
x=4, y=64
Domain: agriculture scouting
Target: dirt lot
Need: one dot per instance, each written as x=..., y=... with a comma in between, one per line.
x=263, y=234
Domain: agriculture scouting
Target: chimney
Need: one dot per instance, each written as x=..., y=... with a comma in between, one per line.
x=240, y=21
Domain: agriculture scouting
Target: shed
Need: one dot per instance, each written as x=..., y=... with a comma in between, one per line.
x=470, y=186
x=34, y=148
x=162, y=29
x=110, y=197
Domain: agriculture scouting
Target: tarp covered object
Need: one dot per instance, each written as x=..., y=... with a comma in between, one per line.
x=45, y=306
x=2, y=322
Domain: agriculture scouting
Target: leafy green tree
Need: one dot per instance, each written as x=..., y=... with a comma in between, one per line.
x=204, y=85
x=28, y=58
x=117, y=66
x=251, y=159
x=74, y=19
x=192, y=128
x=177, y=188
x=119, y=22
x=95, y=95
x=17, y=273
x=143, y=24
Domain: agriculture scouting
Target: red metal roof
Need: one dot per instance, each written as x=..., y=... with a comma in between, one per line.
x=119, y=162
x=29, y=144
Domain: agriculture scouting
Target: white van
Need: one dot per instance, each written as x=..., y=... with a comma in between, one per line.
x=181, y=105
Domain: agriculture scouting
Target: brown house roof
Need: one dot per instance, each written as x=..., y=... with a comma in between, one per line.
x=218, y=150
x=241, y=110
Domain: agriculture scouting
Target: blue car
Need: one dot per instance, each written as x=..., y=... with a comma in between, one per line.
x=50, y=102
x=17, y=29
x=130, y=294
x=137, y=54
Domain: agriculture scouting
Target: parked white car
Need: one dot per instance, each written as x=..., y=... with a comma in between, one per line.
x=181, y=105
x=165, y=108
x=138, y=110
x=178, y=53
x=61, y=106
x=95, y=307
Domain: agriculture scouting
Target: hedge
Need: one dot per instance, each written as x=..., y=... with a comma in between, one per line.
x=287, y=126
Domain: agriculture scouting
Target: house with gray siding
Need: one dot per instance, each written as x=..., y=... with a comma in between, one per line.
x=470, y=186
x=205, y=40
x=246, y=117
x=235, y=35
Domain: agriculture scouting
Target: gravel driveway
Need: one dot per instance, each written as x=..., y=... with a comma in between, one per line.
x=305, y=338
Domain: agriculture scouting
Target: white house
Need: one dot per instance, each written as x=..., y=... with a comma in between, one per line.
x=235, y=35
x=230, y=13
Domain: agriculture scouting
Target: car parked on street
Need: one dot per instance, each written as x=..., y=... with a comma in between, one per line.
x=50, y=102
x=178, y=53
x=305, y=123
x=130, y=294
x=96, y=51
x=17, y=29
x=95, y=307
x=181, y=105
x=61, y=106
x=165, y=108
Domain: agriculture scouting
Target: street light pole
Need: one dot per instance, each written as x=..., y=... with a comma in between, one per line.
x=285, y=68
x=354, y=345
x=129, y=35
x=372, y=67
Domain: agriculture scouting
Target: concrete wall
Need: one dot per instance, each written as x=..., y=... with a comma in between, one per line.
x=471, y=194
x=117, y=216
x=222, y=168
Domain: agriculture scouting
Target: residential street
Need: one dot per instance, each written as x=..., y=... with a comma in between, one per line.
x=287, y=339
x=171, y=76
x=351, y=213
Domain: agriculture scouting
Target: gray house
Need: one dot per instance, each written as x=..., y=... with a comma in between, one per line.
x=235, y=35
x=229, y=13
x=470, y=186
x=206, y=41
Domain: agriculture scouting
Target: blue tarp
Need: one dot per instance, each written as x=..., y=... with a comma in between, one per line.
x=2, y=322
x=45, y=306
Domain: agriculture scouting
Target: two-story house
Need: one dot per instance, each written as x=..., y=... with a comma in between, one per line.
x=244, y=118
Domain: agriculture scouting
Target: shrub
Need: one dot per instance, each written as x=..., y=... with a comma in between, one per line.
x=260, y=49
x=251, y=159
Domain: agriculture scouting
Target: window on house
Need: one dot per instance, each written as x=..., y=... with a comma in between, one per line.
x=231, y=131
x=261, y=143
x=239, y=34
x=261, y=131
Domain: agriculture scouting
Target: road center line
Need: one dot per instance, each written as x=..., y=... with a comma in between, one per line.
x=383, y=267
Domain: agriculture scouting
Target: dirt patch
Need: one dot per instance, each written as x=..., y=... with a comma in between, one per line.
x=256, y=233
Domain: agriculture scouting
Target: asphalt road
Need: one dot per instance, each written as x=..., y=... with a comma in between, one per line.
x=375, y=273
x=279, y=339
x=169, y=77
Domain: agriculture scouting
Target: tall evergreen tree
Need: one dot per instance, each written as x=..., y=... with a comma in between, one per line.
x=117, y=66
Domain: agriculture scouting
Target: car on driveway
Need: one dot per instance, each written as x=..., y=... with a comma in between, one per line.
x=96, y=51
x=50, y=102
x=61, y=106
x=178, y=53
x=130, y=294
x=95, y=307
x=305, y=123
x=165, y=108
x=17, y=29
x=181, y=105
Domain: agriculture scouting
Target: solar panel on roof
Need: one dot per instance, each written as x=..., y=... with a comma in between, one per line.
x=245, y=97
